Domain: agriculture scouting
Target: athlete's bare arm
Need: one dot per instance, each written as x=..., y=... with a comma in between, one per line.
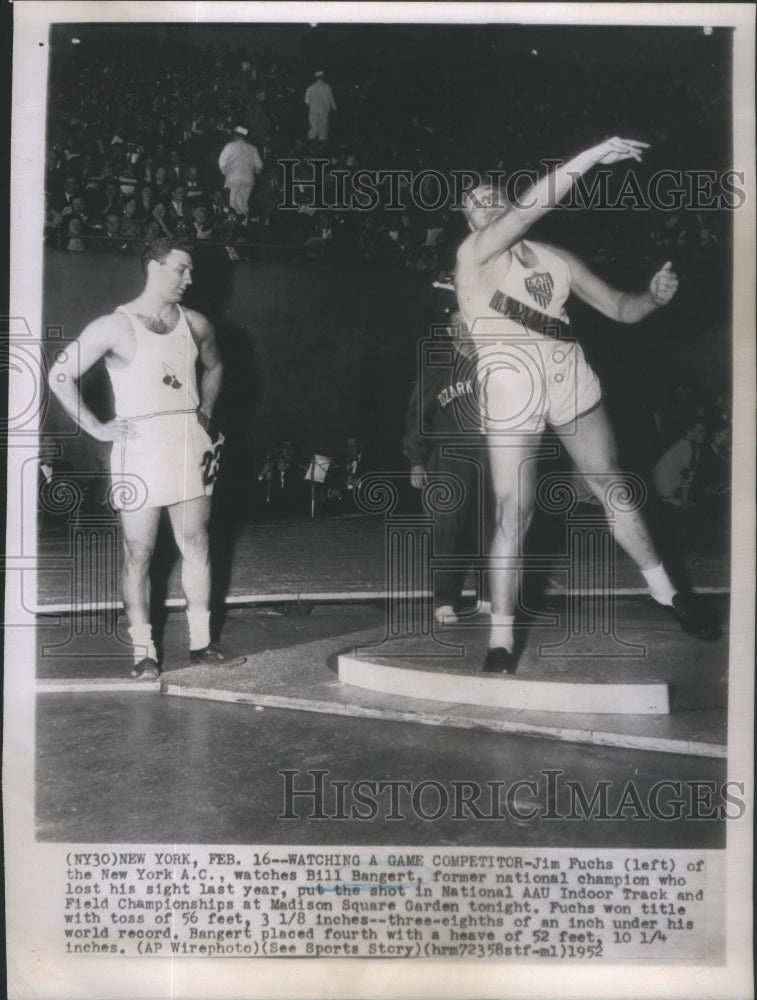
x=623, y=307
x=512, y=223
x=210, y=359
x=104, y=337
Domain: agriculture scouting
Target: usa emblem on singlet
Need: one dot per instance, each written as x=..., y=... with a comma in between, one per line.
x=539, y=287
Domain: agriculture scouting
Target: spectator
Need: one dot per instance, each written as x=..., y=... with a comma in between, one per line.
x=283, y=481
x=200, y=229
x=111, y=201
x=129, y=218
x=674, y=473
x=194, y=185
x=62, y=201
x=176, y=173
x=145, y=203
x=239, y=163
x=161, y=184
x=343, y=475
x=74, y=233
x=320, y=101
x=176, y=207
x=110, y=240
x=160, y=214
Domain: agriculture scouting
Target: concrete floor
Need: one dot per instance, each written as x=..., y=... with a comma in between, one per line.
x=125, y=768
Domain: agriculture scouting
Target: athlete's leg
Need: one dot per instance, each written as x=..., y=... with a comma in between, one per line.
x=513, y=473
x=189, y=521
x=590, y=442
x=139, y=530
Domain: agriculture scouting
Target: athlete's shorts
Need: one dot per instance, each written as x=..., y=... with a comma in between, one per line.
x=525, y=384
x=173, y=460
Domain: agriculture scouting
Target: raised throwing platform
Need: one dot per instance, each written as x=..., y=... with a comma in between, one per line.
x=506, y=691
x=690, y=676
x=292, y=663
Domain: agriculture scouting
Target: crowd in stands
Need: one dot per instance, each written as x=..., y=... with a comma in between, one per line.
x=137, y=123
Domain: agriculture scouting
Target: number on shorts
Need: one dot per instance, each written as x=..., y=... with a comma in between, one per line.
x=211, y=461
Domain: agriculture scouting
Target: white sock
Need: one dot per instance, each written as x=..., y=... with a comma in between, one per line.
x=502, y=631
x=141, y=637
x=199, y=629
x=659, y=583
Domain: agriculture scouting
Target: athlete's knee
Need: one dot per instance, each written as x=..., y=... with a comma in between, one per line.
x=598, y=480
x=137, y=554
x=195, y=543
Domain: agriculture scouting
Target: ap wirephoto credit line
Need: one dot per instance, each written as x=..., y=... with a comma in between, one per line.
x=380, y=549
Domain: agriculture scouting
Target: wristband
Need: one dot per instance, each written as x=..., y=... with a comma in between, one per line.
x=204, y=420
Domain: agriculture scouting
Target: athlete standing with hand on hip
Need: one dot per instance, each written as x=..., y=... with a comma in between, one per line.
x=511, y=293
x=162, y=453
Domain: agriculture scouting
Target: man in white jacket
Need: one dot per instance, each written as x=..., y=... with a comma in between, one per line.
x=240, y=161
x=320, y=101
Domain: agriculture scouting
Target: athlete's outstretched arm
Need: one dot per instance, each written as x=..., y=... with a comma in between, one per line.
x=542, y=197
x=210, y=359
x=95, y=341
x=623, y=307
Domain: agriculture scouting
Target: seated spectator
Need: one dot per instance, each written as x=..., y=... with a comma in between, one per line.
x=110, y=200
x=110, y=239
x=194, y=185
x=674, y=473
x=151, y=230
x=216, y=209
x=148, y=170
x=283, y=481
x=175, y=169
x=160, y=214
x=145, y=203
x=129, y=219
x=200, y=228
x=61, y=200
x=80, y=210
x=176, y=206
x=344, y=473
x=160, y=183
x=74, y=233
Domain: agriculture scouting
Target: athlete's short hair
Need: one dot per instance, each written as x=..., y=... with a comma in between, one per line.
x=159, y=249
x=483, y=196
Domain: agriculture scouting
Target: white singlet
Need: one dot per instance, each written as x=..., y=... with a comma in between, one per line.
x=530, y=370
x=173, y=459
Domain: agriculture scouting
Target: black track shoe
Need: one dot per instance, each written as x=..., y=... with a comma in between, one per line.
x=692, y=617
x=499, y=661
x=146, y=670
x=214, y=655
